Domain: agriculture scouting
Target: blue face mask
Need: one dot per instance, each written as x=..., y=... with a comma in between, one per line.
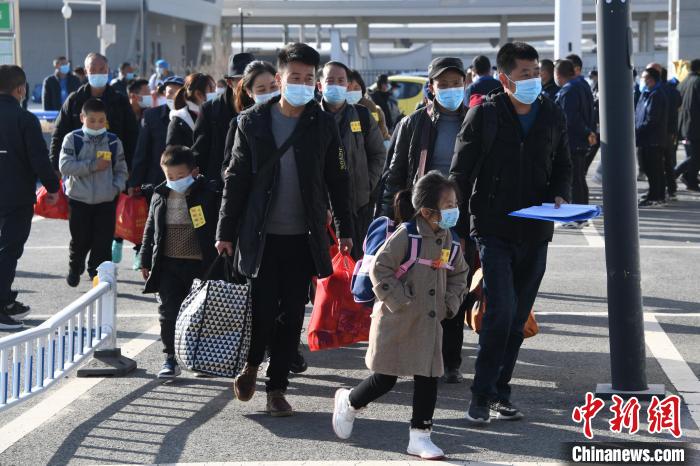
x=94, y=132
x=335, y=95
x=298, y=95
x=182, y=185
x=264, y=98
x=448, y=218
x=98, y=80
x=130, y=76
x=353, y=97
x=527, y=90
x=64, y=69
x=450, y=98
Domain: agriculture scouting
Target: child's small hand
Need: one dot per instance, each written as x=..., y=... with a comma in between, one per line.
x=145, y=273
x=103, y=165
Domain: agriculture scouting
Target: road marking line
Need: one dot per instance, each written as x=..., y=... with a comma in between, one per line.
x=66, y=394
x=677, y=370
x=36, y=218
x=592, y=235
x=45, y=247
x=644, y=246
x=355, y=463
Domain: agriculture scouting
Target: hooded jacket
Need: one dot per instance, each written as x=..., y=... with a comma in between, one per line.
x=180, y=128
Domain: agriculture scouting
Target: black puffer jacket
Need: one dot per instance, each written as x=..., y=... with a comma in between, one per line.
x=202, y=193
x=145, y=168
x=181, y=128
x=515, y=172
x=210, y=131
x=253, y=177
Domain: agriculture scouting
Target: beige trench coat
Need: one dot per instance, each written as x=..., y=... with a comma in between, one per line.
x=406, y=335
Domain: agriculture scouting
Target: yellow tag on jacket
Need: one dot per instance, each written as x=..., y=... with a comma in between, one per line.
x=197, y=215
x=104, y=154
x=355, y=126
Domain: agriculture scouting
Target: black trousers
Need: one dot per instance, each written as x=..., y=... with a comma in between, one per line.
x=91, y=231
x=176, y=277
x=670, y=165
x=15, y=225
x=690, y=166
x=361, y=221
x=652, y=159
x=579, y=187
x=453, y=329
x=591, y=153
x=424, y=396
x=280, y=291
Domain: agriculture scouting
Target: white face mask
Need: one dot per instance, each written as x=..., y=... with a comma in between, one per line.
x=193, y=107
x=211, y=96
x=220, y=90
x=170, y=103
x=146, y=101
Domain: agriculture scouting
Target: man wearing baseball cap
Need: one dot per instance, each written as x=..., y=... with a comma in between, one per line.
x=214, y=120
x=162, y=72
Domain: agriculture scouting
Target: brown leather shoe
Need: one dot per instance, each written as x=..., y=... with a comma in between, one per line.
x=244, y=384
x=277, y=405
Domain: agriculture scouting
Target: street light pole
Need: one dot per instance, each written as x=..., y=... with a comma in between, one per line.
x=66, y=31
x=67, y=13
x=625, y=314
x=240, y=10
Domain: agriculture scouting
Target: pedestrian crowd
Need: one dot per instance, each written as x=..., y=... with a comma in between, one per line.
x=258, y=165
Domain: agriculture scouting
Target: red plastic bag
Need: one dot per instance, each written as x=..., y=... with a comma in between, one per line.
x=132, y=213
x=337, y=320
x=58, y=211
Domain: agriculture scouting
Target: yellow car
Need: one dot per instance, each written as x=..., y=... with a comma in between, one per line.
x=410, y=91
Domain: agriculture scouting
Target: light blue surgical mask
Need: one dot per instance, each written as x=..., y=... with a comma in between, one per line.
x=335, y=95
x=130, y=76
x=298, y=95
x=98, y=80
x=64, y=69
x=94, y=132
x=353, y=97
x=448, y=218
x=182, y=185
x=450, y=98
x=265, y=98
x=527, y=90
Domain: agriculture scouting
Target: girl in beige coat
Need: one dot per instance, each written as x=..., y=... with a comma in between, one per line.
x=406, y=334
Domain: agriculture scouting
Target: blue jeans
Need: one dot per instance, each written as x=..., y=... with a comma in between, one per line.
x=512, y=276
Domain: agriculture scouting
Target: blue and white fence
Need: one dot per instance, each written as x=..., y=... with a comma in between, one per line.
x=32, y=360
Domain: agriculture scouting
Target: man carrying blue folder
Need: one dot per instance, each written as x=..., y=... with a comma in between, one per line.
x=512, y=152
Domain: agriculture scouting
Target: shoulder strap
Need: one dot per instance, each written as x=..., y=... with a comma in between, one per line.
x=291, y=140
x=424, y=143
x=78, y=141
x=489, y=128
x=413, y=253
x=363, y=113
x=112, y=143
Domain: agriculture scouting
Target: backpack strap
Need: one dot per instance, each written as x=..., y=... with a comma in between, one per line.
x=78, y=136
x=112, y=140
x=414, y=244
x=489, y=128
x=363, y=113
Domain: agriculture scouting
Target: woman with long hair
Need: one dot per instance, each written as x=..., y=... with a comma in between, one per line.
x=198, y=89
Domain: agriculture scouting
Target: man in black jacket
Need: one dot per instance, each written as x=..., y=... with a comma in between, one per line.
x=426, y=138
x=483, y=84
x=214, y=120
x=511, y=153
x=23, y=158
x=549, y=86
x=580, y=128
x=59, y=85
x=120, y=118
x=287, y=163
x=651, y=134
x=145, y=168
x=689, y=127
x=363, y=144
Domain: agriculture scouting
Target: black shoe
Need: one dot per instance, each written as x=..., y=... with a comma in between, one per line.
x=170, y=368
x=298, y=364
x=652, y=204
x=8, y=323
x=505, y=410
x=73, y=278
x=478, y=413
x=16, y=311
x=452, y=376
x=689, y=185
x=672, y=197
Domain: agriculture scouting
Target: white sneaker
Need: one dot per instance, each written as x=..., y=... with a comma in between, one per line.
x=343, y=414
x=420, y=445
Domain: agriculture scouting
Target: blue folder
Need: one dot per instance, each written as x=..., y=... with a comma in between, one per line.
x=565, y=213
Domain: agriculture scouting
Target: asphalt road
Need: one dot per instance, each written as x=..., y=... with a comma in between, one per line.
x=138, y=420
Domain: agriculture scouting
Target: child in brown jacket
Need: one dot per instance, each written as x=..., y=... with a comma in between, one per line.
x=406, y=334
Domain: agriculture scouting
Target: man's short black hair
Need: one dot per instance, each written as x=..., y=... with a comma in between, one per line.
x=339, y=64
x=654, y=74
x=93, y=105
x=178, y=155
x=11, y=77
x=481, y=64
x=695, y=65
x=356, y=77
x=298, y=52
x=547, y=65
x=575, y=59
x=124, y=66
x=565, y=68
x=136, y=85
x=58, y=60
x=382, y=79
x=514, y=51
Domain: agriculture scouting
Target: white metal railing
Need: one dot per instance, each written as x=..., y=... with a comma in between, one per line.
x=32, y=360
